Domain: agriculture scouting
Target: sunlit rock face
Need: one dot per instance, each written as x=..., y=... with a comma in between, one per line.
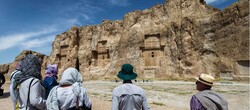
x=179, y=39
x=9, y=68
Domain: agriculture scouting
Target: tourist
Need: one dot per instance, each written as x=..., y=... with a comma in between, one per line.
x=13, y=91
x=128, y=96
x=50, y=79
x=2, y=81
x=30, y=92
x=206, y=99
x=69, y=94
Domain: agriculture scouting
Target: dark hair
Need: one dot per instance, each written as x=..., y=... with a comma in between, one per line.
x=207, y=87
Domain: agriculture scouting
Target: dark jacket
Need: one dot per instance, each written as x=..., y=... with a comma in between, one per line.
x=2, y=80
x=49, y=83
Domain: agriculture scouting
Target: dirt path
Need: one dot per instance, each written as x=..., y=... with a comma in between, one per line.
x=161, y=95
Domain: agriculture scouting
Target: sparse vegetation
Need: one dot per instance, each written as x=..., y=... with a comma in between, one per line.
x=232, y=91
x=158, y=103
x=95, y=93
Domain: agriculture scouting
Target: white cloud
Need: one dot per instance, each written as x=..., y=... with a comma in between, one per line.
x=11, y=41
x=122, y=3
x=37, y=42
x=79, y=13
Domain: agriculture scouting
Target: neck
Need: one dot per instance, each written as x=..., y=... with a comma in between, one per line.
x=205, y=89
x=127, y=81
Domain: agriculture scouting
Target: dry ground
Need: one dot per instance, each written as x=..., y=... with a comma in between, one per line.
x=162, y=95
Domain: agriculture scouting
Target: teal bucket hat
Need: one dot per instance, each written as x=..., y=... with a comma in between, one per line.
x=127, y=72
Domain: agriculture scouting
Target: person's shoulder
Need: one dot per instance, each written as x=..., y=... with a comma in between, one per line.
x=136, y=86
x=206, y=93
x=33, y=80
x=49, y=78
x=14, y=73
x=118, y=87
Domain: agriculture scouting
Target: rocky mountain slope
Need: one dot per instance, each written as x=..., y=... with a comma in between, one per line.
x=178, y=39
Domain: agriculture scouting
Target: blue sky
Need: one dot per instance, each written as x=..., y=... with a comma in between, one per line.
x=33, y=24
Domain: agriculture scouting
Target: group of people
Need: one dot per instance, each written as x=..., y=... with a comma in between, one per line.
x=2, y=81
x=30, y=92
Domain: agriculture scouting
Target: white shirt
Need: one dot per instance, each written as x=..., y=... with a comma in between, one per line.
x=129, y=97
x=12, y=92
x=67, y=99
x=37, y=94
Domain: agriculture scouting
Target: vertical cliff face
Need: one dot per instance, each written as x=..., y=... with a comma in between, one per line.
x=179, y=39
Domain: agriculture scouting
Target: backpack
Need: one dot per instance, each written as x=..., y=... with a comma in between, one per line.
x=48, y=83
x=1, y=92
x=2, y=80
x=53, y=100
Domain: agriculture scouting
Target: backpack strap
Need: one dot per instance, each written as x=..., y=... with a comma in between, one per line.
x=81, y=107
x=77, y=103
x=13, y=74
x=28, y=99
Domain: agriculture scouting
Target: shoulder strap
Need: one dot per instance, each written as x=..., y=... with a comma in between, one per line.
x=81, y=107
x=13, y=74
x=77, y=103
x=28, y=99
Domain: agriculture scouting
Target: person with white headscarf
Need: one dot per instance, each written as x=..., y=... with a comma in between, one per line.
x=69, y=94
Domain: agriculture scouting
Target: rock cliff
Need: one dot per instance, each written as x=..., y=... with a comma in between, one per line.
x=8, y=68
x=178, y=39
x=181, y=38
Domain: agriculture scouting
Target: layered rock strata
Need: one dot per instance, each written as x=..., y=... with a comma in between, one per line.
x=178, y=39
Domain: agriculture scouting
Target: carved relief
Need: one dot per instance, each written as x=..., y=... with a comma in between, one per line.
x=101, y=56
x=152, y=41
x=152, y=52
x=64, y=49
x=101, y=47
x=62, y=55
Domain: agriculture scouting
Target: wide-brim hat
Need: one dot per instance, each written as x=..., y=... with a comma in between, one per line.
x=127, y=72
x=206, y=79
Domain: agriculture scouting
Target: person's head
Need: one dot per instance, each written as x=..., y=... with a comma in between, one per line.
x=30, y=66
x=70, y=76
x=204, y=82
x=126, y=72
x=51, y=70
x=18, y=66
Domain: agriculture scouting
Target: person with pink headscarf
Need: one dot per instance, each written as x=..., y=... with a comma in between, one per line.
x=50, y=79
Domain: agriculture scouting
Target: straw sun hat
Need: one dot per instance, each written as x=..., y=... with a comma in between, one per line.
x=206, y=79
